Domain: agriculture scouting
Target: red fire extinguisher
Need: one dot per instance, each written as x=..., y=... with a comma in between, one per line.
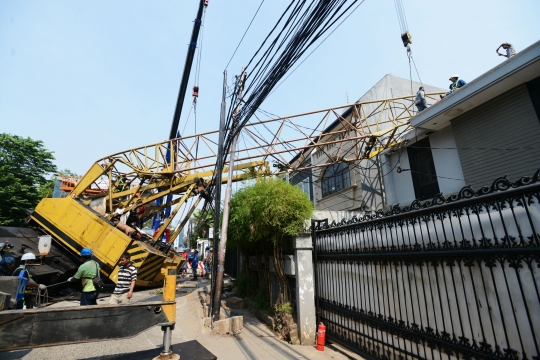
x=321, y=336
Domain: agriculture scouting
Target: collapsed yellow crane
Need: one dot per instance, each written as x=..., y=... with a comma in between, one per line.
x=101, y=209
x=96, y=212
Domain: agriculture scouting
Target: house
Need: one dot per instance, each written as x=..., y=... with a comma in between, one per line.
x=347, y=185
x=487, y=129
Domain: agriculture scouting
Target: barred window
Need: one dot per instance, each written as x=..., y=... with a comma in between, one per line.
x=336, y=177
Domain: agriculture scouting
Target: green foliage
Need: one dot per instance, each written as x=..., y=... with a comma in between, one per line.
x=203, y=222
x=285, y=307
x=24, y=163
x=267, y=211
x=46, y=190
x=261, y=300
x=242, y=286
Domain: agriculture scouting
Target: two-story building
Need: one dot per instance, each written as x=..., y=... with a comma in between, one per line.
x=487, y=129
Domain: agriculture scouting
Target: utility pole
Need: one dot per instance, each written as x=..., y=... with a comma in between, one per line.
x=218, y=177
x=226, y=208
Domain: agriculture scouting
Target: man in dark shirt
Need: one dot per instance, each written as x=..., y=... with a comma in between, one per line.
x=127, y=276
x=6, y=266
x=195, y=263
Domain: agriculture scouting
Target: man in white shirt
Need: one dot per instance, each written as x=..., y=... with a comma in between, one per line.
x=510, y=51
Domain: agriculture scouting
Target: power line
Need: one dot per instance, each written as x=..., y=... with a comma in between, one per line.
x=307, y=57
x=244, y=34
x=299, y=27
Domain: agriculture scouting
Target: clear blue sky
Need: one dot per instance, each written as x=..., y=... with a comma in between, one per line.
x=91, y=78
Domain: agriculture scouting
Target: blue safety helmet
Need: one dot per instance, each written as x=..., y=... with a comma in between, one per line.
x=86, y=252
x=8, y=260
x=208, y=247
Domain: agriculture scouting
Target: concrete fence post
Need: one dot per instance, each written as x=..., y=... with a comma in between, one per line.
x=305, y=290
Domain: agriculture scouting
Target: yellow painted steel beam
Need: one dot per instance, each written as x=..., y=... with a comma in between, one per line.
x=169, y=292
x=173, y=213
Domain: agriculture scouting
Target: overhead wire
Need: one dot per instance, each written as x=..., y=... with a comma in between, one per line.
x=307, y=57
x=298, y=28
x=237, y=46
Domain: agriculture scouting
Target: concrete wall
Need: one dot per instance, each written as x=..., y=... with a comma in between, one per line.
x=305, y=291
x=446, y=159
x=398, y=187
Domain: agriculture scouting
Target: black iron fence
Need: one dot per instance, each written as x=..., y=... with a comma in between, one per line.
x=453, y=278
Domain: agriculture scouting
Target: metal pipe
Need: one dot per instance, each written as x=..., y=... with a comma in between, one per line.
x=434, y=254
x=167, y=336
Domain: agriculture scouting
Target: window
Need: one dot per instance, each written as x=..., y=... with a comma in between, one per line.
x=423, y=172
x=336, y=178
x=304, y=185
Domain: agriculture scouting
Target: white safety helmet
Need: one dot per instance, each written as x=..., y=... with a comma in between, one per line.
x=454, y=76
x=28, y=256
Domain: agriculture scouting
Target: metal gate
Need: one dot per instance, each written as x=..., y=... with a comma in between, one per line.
x=452, y=278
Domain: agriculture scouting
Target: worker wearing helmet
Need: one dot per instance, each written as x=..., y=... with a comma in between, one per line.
x=22, y=271
x=456, y=84
x=7, y=264
x=86, y=272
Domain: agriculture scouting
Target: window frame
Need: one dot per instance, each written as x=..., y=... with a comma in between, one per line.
x=335, y=178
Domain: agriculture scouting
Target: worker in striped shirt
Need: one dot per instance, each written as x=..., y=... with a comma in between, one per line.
x=127, y=276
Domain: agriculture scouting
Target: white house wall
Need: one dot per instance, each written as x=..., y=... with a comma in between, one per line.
x=399, y=184
x=446, y=160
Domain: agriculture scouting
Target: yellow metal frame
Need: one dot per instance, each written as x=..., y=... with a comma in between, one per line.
x=184, y=168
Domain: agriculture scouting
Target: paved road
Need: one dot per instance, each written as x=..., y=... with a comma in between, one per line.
x=255, y=341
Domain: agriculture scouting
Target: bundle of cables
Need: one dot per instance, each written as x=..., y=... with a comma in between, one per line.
x=301, y=25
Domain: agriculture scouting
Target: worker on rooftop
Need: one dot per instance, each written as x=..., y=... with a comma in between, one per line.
x=510, y=51
x=456, y=84
x=420, y=100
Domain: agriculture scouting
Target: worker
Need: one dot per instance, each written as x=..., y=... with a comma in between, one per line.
x=510, y=51
x=206, y=261
x=127, y=276
x=456, y=84
x=167, y=232
x=122, y=183
x=88, y=270
x=140, y=211
x=28, y=299
x=195, y=263
x=7, y=264
x=420, y=100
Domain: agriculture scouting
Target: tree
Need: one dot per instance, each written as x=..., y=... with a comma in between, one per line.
x=204, y=220
x=24, y=163
x=262, y=217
